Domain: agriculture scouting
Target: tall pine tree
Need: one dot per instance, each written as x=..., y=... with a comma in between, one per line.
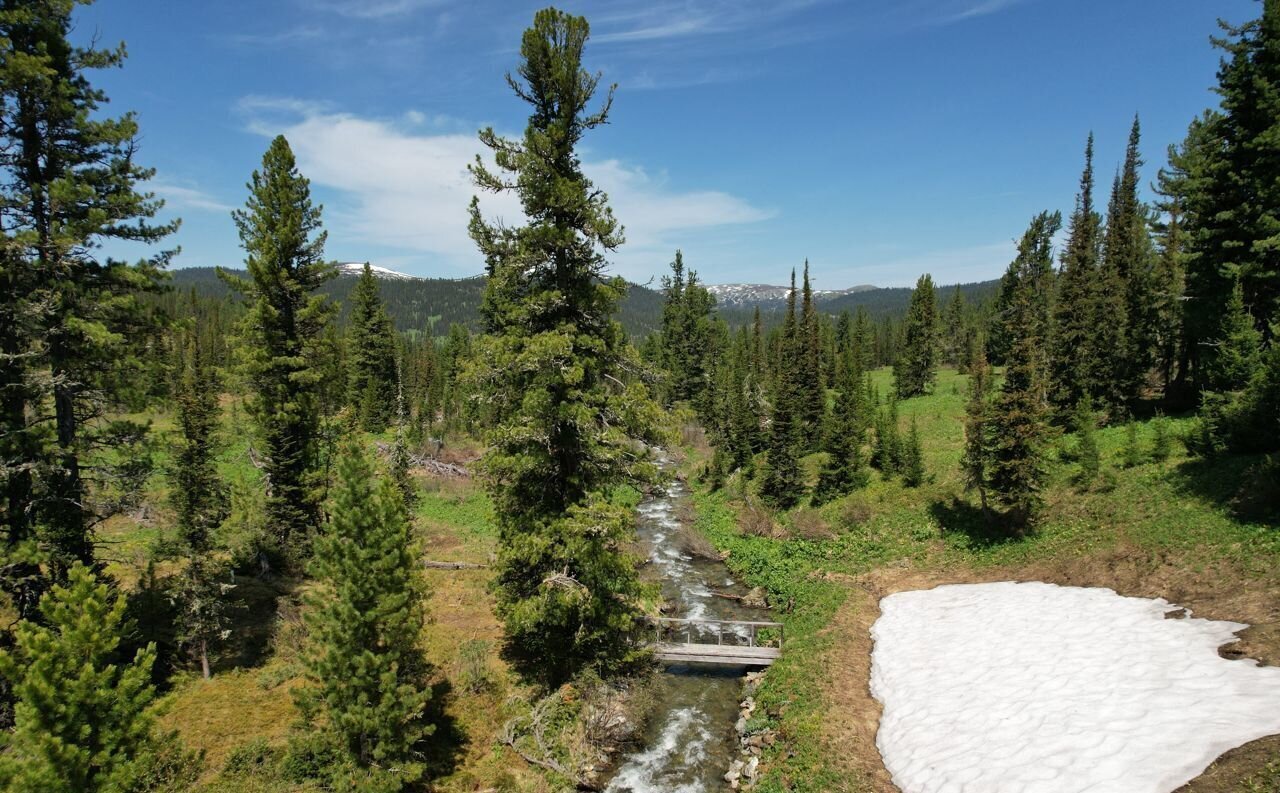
x=811, y=392
x=552, y=371
x=71, y=182
x=1074, y=369
x=1234, y=210
x=783, y=483
x=280, y=232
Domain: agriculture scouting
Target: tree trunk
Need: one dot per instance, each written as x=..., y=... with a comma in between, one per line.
x=204, y=658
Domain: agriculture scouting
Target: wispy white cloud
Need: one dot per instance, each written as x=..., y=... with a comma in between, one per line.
x=294, y=35
x=178, y=196
x=372, y=9
x=649, y=21
x=402, y=188
x=985, y=8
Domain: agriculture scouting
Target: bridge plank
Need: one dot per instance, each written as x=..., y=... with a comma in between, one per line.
x=723, y=655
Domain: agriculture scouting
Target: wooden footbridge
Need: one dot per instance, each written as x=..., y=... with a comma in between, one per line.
x=717, y=642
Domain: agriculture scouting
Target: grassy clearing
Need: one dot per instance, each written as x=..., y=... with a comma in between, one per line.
x=241, y=719
x=1175, y=527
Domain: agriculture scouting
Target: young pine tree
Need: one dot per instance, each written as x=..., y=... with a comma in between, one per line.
x=565, y=416
x=371, y=355
x=916, y=369
x=82, y=719
x=1019, y=422
x=913, y=472
x=1132, y=455
x=280, y=231
x=1086, y=452
x=365, y=672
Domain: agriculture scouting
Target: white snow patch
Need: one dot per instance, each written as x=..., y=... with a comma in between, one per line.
x=1008, y=687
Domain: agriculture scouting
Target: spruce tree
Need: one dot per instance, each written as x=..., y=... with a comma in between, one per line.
x=1173, y=185
x=565, y=417
x=71, y=183
x=1125, y=299
x=280, y=232
x=82, y=719
x=976, y=458
x=916, y=369
x=1019, y=421
x=953, y=341
x=812, y=393
x=1073, y=363
x=371, y=355
x=844, y=469
x=887, y=451
x=1234, y=210
x=783, y=482
x=688, y=335
x=1238, y=347
x=200, y=504
x=365, y=672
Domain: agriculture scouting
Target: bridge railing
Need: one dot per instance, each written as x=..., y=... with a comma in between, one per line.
x=703, y=631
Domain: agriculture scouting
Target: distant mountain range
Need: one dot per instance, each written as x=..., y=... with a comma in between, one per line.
x=768, y=296
x=357, y=269
x=433, y=304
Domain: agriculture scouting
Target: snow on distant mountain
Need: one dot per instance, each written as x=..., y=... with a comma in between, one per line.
x=738, y=295
x=356, y=268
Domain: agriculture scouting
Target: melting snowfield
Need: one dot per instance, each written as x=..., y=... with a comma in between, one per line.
x=1035, y=687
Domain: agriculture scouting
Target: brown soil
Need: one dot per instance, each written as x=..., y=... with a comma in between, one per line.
x=853, y=714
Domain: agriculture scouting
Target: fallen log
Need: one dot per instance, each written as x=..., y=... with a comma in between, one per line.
x=434, y=565
x=427, y=463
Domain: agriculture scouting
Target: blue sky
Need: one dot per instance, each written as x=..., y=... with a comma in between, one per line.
x=878, y=138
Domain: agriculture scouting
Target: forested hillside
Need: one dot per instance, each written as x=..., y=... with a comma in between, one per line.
x=429, y=304
x=436, y=303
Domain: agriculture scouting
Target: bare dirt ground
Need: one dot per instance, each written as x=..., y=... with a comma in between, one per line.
x=1212, y=593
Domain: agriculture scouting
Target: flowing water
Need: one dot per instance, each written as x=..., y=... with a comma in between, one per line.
x=691, y=740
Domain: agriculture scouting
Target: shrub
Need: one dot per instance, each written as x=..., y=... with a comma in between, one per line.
x=473, y=666
x=257, y=759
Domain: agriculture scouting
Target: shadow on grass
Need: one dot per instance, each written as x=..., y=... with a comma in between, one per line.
x=1236, y=482
x=982, y=530
x=252, y=606
x=443, y=750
